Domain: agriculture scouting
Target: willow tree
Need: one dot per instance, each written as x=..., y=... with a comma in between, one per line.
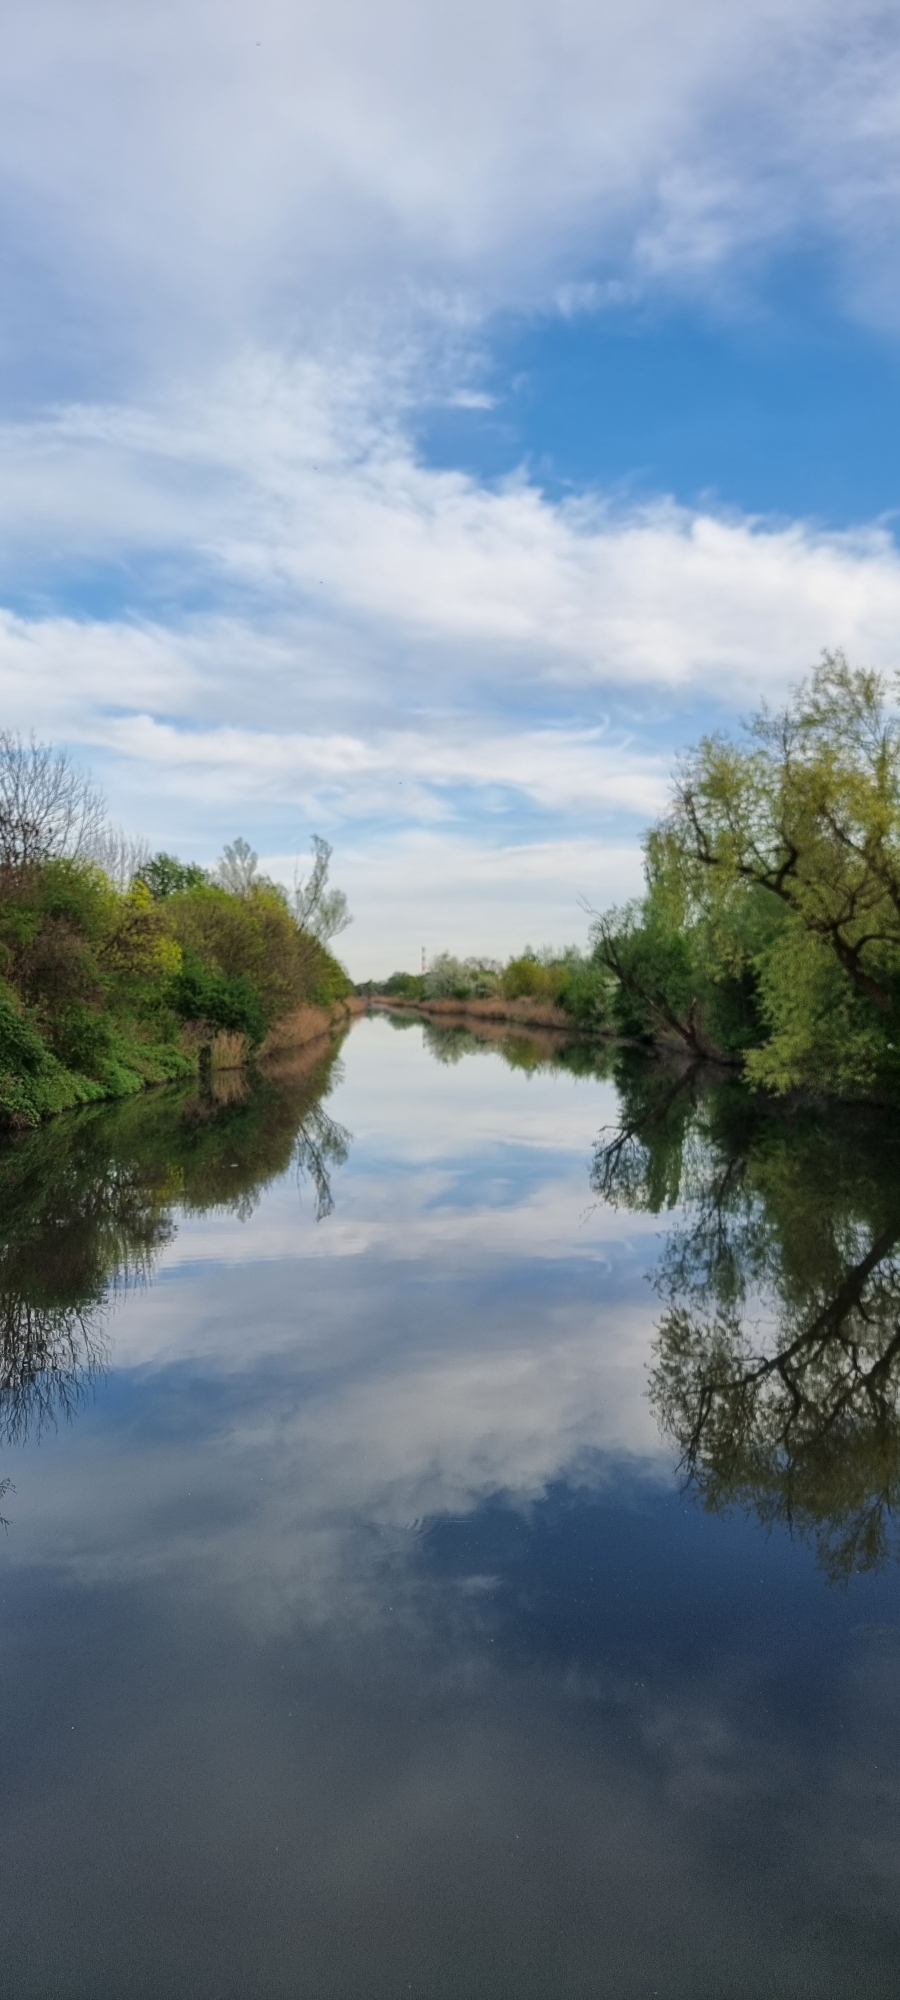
x=770, y=931
x=808, y=814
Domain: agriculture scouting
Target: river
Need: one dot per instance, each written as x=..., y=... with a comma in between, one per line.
x=450, y=1491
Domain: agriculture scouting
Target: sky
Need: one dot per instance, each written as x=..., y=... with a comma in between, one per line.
x=421, y=423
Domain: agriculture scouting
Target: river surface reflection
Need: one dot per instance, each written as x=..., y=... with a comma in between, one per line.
x=450, y=1550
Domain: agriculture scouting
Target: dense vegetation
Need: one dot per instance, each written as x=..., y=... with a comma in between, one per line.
x=768, y=938
x=107, y=985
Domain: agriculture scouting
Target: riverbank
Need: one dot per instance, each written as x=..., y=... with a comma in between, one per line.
x=523, y=1013
x=195, y=1055
x=309, y=1024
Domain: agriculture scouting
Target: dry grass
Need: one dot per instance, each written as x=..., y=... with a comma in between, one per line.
x=528, y=1013
x=308, y=1024
x=228, y=1086
x=232, y=1052
x=228, y=1051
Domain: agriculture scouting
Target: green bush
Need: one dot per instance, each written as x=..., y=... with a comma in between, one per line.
x=82, y=1038
x=403, y=985
x=33, y=1082
x=326, y=980
x=586, y=993
x=21, y=1049
x=525, y=979
x=450, y=978
x=233, y=1003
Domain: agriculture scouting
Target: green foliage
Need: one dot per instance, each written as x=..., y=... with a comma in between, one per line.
x=253, y=937
x=582, y=986
x=769, y=936
x=325, y=979
x=99, y=982
x=165, y=876
x=21, y=1048
x=33, y=1082
x=822, y=1032
x=449, y=978
x=586, y=992
x=682, y=977
x=526, y=979
x=222, y=1000
x=403, y=985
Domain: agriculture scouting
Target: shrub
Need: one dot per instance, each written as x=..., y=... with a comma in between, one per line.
x=32, y=1081
x=450, y=978
x=253, y=938
x=21, y=1048
x=232, y=1003
x=402, y=985
x=526, y=979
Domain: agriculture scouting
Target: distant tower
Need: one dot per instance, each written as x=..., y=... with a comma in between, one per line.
x=423, y=961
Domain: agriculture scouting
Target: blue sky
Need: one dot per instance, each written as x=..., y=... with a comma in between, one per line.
x=420, y=423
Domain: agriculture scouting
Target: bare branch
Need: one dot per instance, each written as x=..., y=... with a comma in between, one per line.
x=321, y=911
x=47, y=806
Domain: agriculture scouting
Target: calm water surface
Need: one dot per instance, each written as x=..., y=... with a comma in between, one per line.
x=450, y=1538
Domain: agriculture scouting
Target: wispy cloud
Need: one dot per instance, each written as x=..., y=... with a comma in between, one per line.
x=182, y=172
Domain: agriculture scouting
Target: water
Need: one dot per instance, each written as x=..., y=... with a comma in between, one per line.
x=450, y=1553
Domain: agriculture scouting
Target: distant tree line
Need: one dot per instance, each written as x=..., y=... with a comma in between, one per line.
x=568, y=978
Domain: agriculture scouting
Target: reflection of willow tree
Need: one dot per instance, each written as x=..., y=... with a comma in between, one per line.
x=777, y=1359
x=88, y=1202
x=321, y=1144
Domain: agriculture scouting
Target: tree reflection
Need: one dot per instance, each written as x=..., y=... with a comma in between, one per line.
x=529, y=1049
x=777, y=1358
x=49, y=1358
x=88, y=1202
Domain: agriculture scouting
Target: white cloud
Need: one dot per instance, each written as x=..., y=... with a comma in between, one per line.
x=181, y=172
x=302, y=505
x=418, y=662
x=293, y=497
